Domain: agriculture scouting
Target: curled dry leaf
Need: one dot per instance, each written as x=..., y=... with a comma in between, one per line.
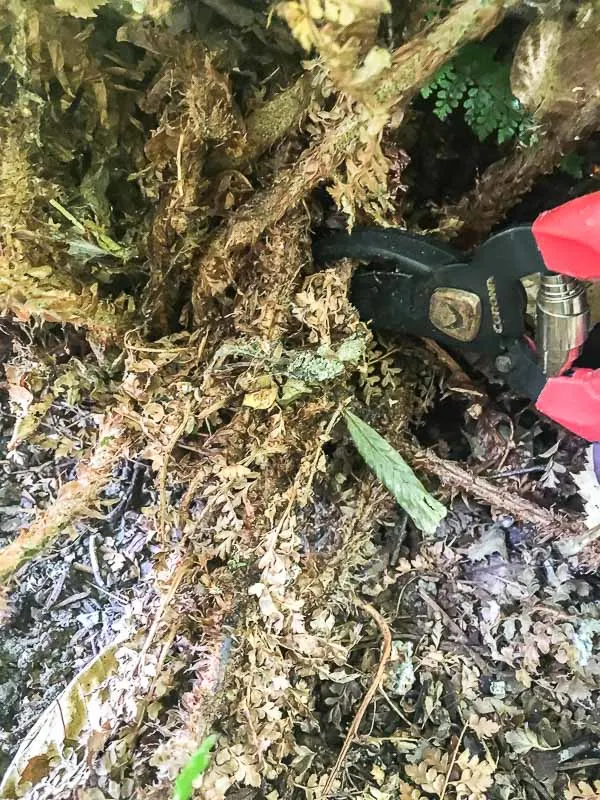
x=65, y=719
x=522, y=740
x=484, y=728
x=408, y=792
x=79, y=8
x=261, y=398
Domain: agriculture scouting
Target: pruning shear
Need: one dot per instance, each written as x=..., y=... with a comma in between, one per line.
x=415, y=284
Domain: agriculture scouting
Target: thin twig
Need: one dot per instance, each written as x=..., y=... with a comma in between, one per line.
x=94, y=561
x=386, y=651
x=453, y=761
x=509, y=443
x=178, y=575
x=583, y=763
x=162, y=479
x=453, y=366
x=528, y=777
x=515, y=473
x=394, y=707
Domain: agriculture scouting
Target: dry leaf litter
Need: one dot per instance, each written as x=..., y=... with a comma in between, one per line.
x=189, y=537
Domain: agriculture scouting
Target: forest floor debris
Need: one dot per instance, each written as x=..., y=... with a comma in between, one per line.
x=190, y=544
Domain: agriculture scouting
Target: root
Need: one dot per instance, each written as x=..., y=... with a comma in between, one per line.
x=386, y=651
x=412, y=65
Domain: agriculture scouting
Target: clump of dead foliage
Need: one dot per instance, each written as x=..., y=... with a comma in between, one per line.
x=163, y=167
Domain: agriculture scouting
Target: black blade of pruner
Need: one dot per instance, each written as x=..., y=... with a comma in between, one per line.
x=416, y=284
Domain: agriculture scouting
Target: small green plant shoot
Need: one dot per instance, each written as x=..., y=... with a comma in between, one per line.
x=479, y=83
x=396, y=475
x=184, y=783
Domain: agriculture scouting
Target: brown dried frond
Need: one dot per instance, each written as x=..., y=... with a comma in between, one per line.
x=197, y=114
x=32, y=283
x=267, y=285
x=16, y=176
x=343, y=32
x=31, y=290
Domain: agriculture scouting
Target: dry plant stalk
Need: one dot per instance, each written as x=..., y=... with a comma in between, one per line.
x=197, y=113
x=386, y=651
x=452, y=475
x=74, y=501
x=412, y=65
x=344, y=37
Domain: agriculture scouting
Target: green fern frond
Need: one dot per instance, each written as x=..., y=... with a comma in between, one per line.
x=479, y=84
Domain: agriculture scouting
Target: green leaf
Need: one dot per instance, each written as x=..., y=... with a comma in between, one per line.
x=478, y=80
x=396, y=475
x=184, y=783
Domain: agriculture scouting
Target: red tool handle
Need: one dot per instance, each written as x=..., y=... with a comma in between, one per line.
x=574, y=402
x=568, y=237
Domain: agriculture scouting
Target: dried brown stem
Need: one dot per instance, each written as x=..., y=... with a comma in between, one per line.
x=498, y=497
x=73, y=503
x=386, y=651
x=412, y=65
x=452, y=762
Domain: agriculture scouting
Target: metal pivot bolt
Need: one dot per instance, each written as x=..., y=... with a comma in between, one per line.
x=456, y=312
x=504, y=363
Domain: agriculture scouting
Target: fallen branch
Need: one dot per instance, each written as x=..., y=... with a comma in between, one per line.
x=386, y=651
x=450, y=474
x=412, y=65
